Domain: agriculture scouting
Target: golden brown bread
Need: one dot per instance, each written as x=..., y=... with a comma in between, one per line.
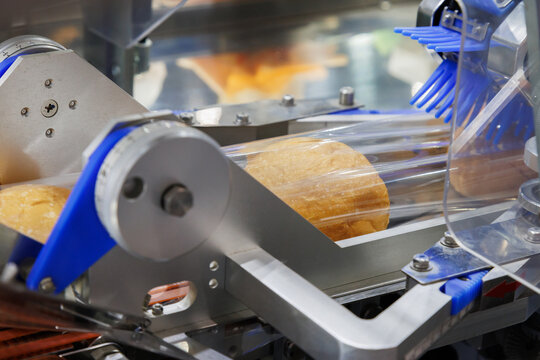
x=327, y=182
x=32, y=210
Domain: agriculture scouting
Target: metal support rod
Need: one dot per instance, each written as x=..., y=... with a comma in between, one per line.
x=325, y=329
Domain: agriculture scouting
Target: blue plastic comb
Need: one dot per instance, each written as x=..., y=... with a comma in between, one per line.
x=477, y=87
x=440, y=39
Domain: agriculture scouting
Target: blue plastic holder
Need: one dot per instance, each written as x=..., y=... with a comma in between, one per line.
x=78, y=239
x=464, y=289
x=24, y=248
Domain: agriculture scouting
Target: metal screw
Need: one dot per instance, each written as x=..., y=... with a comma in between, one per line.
x=24, y=111
x=47, y=285
x=287, y=100
x=449, y=241
x=346, y=96
x=177, y=200
x=420, y=262
x=533, y=235
x=49, y=133
x=157, y=309
x=49, y=108
x=213, y=265
x=48, y=83
x=446, y=18
x=187, y=117
x=242, y=119
x=213, y=283
x=72, y=104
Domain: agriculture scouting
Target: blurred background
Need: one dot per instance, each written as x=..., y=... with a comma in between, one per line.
x=179, y=55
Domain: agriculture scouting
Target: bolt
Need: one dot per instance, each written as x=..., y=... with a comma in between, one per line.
x=24, y=111
x=346, y=96
x=449, y=241
x=187, y=117
x=72, y=104
x=157, y=309
x=213, y=283
x=213, y=265
x=446, y=18
x=287, y=100
x=48, y=83
x=420, y=262
x=46, y=285
x=533, y=235
x=177, y=200
x=49, y=108
x=242, y=119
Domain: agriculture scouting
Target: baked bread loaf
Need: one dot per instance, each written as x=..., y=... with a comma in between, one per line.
x=327, y=182
x=32, y=210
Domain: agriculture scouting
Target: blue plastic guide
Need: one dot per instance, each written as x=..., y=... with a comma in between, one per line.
x=78, y=239
x=464, y=289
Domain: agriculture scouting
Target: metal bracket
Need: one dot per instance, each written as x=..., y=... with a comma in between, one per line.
x=296, y=308
x=446, y=262
x=454, y=21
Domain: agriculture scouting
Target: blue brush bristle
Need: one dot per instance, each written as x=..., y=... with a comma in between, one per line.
x=476, y=87
x=440, y=39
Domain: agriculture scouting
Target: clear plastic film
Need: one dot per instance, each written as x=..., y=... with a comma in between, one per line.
x=492, y=119
x=356, y=179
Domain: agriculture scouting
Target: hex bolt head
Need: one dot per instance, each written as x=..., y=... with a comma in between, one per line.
x=24, y=111
x=421, y=262
x=449, y=241
x=346, y=96
x=533, y=235
x=177, y=200
x=73, y=104
x=287, y=100
x=46, y=285
x=242, y=118
x=157, y=309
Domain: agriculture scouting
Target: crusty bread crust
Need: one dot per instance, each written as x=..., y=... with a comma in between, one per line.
x=32, y=210
x=327, y=182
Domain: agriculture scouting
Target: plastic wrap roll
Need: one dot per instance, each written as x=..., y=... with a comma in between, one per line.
x=355, y=179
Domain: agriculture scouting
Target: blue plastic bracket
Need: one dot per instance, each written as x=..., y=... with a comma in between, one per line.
x=78, y=239
x=464, y=289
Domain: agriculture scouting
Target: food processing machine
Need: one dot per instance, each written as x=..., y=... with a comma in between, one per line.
x=167, y=248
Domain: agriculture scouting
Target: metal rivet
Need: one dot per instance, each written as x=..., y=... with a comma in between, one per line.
x=287, y=100
x=48, y=83
x=47, y=285
x=49, y=133
x=420, y=263
x=187, y=117
x=157, y=309
x=177, y=200
x=24, y=111
x=449, y=241
x=346, y=96
x=72, y=104
x=213, y=283
x=49, y=108
x=213, y=265
x=242, y=119
x=533, y=235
